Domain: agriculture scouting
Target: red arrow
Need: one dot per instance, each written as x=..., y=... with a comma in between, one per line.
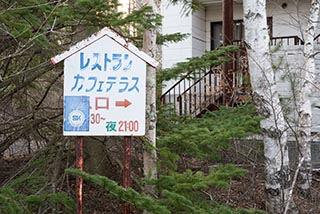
x=124, y=103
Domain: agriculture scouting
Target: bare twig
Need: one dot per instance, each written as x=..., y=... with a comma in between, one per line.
x=293, y=185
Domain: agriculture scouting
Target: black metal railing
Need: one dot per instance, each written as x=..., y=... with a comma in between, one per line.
x=286, y=41
x=172, y=94
x=205, y=91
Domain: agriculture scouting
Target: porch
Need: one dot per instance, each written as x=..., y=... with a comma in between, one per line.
x=211, y=88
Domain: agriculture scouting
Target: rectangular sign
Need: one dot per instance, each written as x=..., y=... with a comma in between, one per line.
x=104, y=91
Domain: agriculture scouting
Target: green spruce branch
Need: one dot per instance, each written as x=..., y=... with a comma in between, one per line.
x=131, y=196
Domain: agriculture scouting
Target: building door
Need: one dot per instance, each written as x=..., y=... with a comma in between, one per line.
x=216, y=39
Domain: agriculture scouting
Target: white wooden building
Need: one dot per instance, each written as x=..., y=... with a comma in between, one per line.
x=286, y=21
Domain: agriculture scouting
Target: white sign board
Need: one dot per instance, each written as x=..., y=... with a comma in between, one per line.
x=104, y=91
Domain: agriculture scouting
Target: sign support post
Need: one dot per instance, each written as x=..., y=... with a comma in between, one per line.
x=127, y=169
x=79, y=165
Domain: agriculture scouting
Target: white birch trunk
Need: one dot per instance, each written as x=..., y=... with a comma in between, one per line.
x=305, y=91
x=150, y=155
x=266, y=98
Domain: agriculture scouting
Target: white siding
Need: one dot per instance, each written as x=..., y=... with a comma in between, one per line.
x=194, y=45
x=288, y=62
x=198, y=33
x=174, y=22
x=288, y=21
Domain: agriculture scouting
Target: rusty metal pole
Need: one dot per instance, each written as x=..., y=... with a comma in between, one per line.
x=79, y=180
x=127, y=169
x=227, y=11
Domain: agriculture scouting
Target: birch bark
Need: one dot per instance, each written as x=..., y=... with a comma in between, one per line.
x=307, y=76
x=149, y=154
x=266, y=98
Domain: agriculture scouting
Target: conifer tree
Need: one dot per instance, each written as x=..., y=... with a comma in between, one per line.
x=32, y=31
x=180, y=189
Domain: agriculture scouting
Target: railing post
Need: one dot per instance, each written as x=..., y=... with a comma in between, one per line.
x=179, y=100
x=190, y=102
x=211, y=95
x=205, y=85
x=194, y=98
x=296, y=41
